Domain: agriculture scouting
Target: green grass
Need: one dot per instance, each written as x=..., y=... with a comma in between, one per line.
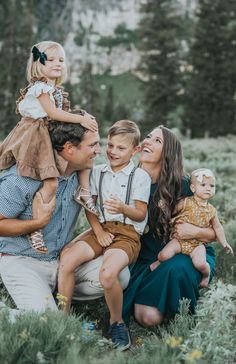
x=206, y=337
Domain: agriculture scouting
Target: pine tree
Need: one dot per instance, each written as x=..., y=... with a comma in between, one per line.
x=16, y=39
x=160, y=43
x=211, y=94
x=109, y=105
x=23, y=23
x=88, y=93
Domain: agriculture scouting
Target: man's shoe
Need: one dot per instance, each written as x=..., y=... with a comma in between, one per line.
x=120, y=335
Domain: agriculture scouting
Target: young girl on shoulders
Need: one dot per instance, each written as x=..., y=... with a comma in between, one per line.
x=29, y=145
x=197, y=211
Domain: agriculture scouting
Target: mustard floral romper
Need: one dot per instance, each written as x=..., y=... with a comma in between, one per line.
x=196, y=214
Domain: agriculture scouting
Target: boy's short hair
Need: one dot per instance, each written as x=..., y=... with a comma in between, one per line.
x=128, y=128
x=60, y=133
x=198, y=174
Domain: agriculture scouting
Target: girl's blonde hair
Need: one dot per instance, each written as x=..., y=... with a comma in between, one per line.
x=34, y=68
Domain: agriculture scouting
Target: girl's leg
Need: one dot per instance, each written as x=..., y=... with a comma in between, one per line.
x=47, y=191
x=170, y=250
x=71, y=258
x=83, y=195
x=147, y=315
x=198, y=256
x=114, y=261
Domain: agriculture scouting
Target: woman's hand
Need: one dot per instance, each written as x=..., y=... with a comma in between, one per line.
x=185, y=231
x=114, y=206
x=104, y=238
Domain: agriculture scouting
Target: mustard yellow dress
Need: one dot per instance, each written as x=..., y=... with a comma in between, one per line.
x=196, y=214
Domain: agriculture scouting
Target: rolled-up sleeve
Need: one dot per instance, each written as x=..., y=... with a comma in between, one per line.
x=13, y=196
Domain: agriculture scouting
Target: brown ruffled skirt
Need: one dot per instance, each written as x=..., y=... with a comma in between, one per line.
x=29, y=147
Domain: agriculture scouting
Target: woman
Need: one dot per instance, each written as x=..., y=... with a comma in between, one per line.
x=153, y=294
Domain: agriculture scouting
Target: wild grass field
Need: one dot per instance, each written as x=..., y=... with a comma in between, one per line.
x=206, y=337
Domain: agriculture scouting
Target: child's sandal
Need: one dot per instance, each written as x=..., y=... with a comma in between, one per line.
x=36, y=241
x=84, y=198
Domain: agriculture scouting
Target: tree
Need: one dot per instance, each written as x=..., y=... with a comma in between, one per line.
x=160, y=43
x=16, y=26
x=211, y=93
x=109, y=105
x=88, y=97
x=23, y=23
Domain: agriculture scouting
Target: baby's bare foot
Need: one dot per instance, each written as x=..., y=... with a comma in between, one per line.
x=154, y=265
x=204, y=282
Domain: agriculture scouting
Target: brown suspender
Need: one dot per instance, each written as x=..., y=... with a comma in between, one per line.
x=128, y=191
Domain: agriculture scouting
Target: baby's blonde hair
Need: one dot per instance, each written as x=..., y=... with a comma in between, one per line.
x=34, y=68
x=198, y=174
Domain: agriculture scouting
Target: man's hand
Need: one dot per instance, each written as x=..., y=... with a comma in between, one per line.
x=104, y=238
x=114, y=205
x=44, y=210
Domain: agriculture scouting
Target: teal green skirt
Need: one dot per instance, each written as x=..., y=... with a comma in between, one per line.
x=164, y=287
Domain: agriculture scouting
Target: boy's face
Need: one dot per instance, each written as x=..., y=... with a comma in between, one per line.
x=203, y=190
x=119, y=151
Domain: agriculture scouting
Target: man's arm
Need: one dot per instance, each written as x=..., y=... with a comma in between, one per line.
x=16, y=227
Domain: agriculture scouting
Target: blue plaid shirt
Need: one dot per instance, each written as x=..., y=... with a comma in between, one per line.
x=16, y=196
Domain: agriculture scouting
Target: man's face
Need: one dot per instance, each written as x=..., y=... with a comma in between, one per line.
x=82, y=156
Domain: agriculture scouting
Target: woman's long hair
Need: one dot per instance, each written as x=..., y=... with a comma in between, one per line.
x=168, y=189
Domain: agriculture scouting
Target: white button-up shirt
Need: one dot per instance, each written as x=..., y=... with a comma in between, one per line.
x=114, y=184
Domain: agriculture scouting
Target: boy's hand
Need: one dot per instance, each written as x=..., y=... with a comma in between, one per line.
x=104, y=238
x=114, y=205
x=228, y=248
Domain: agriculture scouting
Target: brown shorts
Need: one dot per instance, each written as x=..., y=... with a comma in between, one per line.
x=126, y=239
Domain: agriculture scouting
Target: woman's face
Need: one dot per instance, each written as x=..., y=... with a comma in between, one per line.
x=152, y=147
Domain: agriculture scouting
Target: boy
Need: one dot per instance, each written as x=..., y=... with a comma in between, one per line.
x=121, y=192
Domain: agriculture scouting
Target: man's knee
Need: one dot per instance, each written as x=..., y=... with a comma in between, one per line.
x=88, y=285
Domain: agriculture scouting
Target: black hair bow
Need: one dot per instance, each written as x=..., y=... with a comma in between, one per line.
x=39, y=55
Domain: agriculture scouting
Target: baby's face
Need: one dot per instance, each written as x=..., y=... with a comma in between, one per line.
x=205, y=189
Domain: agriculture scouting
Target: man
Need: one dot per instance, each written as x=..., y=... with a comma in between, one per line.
x=30, y=277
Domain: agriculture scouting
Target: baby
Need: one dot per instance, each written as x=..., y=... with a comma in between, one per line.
x=197, y=211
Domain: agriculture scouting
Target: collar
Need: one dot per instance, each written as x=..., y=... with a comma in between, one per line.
x=126, y=170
